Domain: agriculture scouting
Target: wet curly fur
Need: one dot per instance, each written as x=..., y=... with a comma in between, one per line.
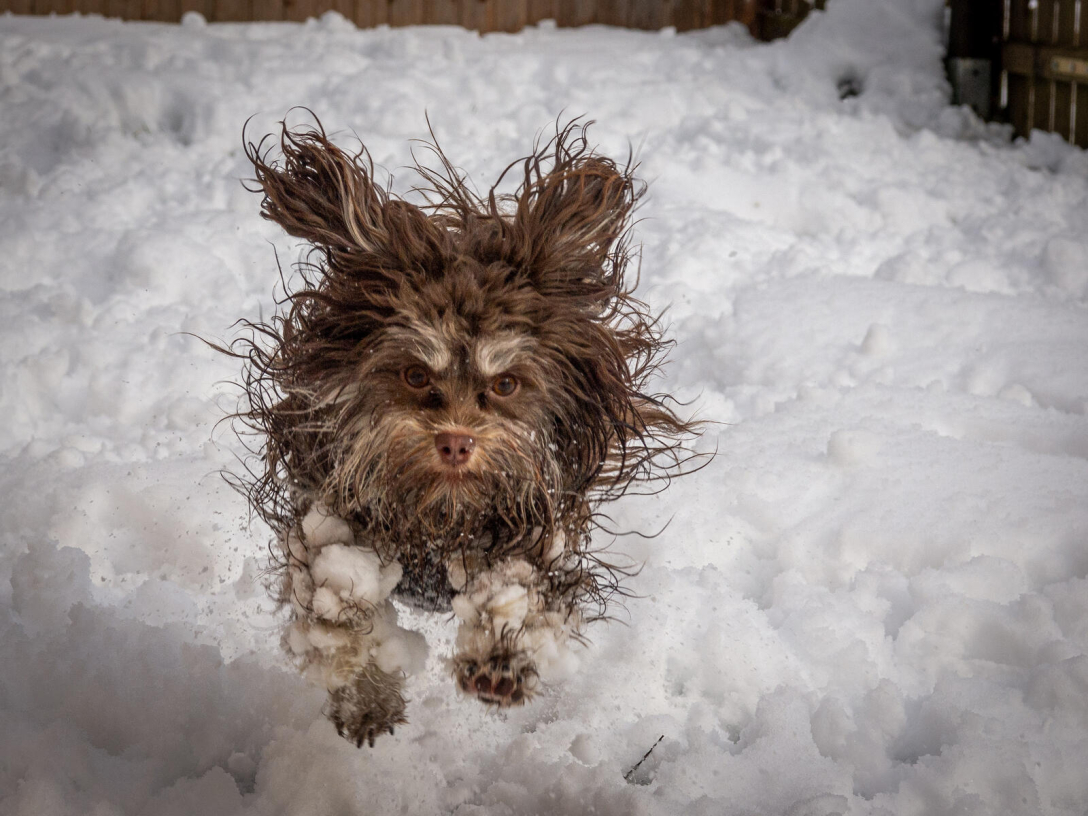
x=502, y=322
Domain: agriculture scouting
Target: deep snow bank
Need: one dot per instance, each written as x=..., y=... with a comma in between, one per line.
x=874, y=600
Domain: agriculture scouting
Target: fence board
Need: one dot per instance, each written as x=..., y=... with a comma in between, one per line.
x=268, y=10
x=405, y=12
x=1041, y=108
x=475, y=14
x=441, y=12
x=613, y=12
x=370, y=13
x=649, y=14
x=1063, y=99
x=1080, y=130
x=511, y=16
x=167, y=11
x=480, y=15
x=52, y=7
x=1019, y=26
x=232, y=11
x=576, y=12
x=542, y=10
x=1066, y=22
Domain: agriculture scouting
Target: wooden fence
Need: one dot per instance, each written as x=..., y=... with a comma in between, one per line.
x=765, y=18
x=1044, y=67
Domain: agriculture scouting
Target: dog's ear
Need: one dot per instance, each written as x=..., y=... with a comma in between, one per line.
x=323, y=195
x=574, y=217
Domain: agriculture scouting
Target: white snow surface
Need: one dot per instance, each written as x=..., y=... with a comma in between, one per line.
x=873, y=600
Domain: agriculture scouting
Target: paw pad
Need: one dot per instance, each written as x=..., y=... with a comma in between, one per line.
x=503, y=680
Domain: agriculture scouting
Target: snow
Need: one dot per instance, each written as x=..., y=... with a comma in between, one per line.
x=874, y=600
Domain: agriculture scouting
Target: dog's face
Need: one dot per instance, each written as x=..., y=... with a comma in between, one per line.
x=451, y=413
x=469, y=370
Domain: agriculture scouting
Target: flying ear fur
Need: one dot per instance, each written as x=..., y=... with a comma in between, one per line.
x=576, y=214
x=321, y=194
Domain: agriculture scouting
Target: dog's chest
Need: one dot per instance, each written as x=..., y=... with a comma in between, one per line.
x=425, y=584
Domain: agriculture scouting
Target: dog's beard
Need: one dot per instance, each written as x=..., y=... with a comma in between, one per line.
x=389, y=479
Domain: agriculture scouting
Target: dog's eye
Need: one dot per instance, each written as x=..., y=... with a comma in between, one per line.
x=416, y=376
x=505, y=385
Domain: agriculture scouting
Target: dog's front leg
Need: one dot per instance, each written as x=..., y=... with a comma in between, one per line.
x=344, y=627
x=517, y=621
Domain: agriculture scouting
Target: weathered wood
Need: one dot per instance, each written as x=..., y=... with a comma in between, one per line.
x=651, y=15
x=267, y=10
x=1019, y=112
x=571, y=13
x=475, y=15
x=232, y=11
x=90, y=7
x=1018, y=21
x=1066, y=23
x=1063, y=98
x=441, y=12
x=371, y=13
x=51, y=7
x=480, y=15
x=405, y=12
x=1080, y=127
x=689, y=14
x=541, y=10
x=510, y=16
x=613, y=12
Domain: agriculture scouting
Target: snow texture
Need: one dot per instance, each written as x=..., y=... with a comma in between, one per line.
x=874, y=600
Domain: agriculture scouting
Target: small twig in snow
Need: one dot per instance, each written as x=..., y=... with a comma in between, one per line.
x=627, y=776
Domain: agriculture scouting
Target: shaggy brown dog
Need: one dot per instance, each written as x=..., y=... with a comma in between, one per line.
x=442, y=403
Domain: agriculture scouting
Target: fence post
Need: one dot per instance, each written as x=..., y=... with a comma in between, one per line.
x=973, y=41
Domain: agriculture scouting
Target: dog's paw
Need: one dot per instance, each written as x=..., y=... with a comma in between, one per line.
x=367, y=706
x=503, y=679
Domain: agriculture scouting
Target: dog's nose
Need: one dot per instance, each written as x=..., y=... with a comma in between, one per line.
x=454, y=449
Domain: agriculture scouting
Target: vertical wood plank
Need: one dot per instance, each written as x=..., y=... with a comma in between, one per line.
x=475, y=15
x=19, y=6
x=85, y=7
x=1063, y=98
x=405, y=12
x=441, y=12
x=1019, y=89
x=296, y=11
x=50, y=7
x=745, y=12
x=1044, y=29
x=1019, y=21
x=204, y=7
x=509, y=15
x=651, y=15
x=613, y=12
x=691, y=14
x=343, y=7
x=721, y=12
x=232, y=11
x=163, y=11
x=1041, y=107
x=541, y=10
x=572, y=13
x=1066, y=22
x=371, y=13
x=267, y=10
x=1080, y=127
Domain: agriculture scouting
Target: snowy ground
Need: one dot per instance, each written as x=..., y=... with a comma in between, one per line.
x=874, y=600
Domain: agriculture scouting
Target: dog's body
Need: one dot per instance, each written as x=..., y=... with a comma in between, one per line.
x=443, y=404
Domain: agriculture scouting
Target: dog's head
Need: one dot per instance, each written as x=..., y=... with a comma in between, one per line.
x=475, y=366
